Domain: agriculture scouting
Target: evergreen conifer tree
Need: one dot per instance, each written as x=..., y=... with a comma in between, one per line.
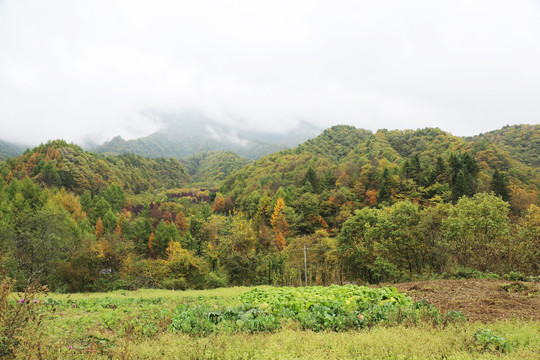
x=385, y=190
x=499, y=185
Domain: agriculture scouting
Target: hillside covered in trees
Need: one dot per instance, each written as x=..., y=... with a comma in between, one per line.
x=368, y=207
x=59, y=164
x=212, y=167
x=520, y=141
x=345, y=165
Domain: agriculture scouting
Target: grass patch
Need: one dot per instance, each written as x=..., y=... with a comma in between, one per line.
x=138, y=325
x=399, y=342
x=168, y=295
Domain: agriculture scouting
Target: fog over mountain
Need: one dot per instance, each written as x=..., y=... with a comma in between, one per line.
x=191, y=133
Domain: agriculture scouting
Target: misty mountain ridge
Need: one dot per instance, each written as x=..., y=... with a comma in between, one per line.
x=9, y=149
x=192, y=133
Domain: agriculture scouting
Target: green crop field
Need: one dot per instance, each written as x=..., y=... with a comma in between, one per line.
x=336, y=322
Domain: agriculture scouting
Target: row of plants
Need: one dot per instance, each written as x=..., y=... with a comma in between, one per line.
x=317, y=308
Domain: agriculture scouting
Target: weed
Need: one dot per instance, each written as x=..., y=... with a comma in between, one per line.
x=513, y=287
x=466, y=273
x=515, y=276
x=486, y=339
x=20, y=317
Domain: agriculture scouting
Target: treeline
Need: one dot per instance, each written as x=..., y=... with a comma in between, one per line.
x=111, y=241
x=405, y=240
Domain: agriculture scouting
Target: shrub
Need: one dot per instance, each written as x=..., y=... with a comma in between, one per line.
x=146, y=273
x=216, y=280
x=175, y=284
x=385, y=271
x=183, y=263
x=110, y=283
x=487, y=340
x=467, y=273
x=515, y=276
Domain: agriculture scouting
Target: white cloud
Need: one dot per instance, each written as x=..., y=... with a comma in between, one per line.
x=231, y=137
x=74, y=69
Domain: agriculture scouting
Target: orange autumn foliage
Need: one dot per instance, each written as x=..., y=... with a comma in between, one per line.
x=280, y=241
x=99, y=228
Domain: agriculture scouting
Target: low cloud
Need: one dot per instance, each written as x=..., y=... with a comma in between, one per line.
x=230, y=136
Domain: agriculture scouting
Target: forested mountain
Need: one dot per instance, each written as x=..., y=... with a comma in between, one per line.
x=8, y=149
x=520, y=141
x=59, y=164
x=194, y=134
x=355, y=166
x=211, y=167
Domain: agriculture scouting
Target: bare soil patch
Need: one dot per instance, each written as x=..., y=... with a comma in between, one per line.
x=484, y=300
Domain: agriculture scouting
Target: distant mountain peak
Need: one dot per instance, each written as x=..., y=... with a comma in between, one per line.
x=190, y=133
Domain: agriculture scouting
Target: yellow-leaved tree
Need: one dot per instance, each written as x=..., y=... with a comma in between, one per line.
x=151, y=245
x=280, y=205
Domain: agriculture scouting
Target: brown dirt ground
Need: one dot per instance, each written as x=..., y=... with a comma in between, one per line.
x=484, y=300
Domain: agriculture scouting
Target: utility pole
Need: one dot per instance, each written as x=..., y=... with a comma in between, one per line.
x=305, y=264
x=269, y=272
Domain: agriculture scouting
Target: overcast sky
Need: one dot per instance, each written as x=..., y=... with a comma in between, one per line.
x=91, y=69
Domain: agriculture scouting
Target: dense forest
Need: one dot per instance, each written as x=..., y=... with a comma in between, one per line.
x=362, y=207
x=213, y=166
